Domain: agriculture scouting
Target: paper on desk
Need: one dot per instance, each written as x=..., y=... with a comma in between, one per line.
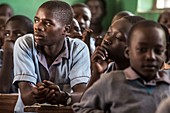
x=46, y=104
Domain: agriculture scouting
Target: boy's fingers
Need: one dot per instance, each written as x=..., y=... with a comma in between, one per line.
x=47, y=83
x=40, y=84
x=50, y=95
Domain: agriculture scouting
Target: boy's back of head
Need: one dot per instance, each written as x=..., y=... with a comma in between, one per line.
x=122, y=14
x=62, y=11
x=133, y=19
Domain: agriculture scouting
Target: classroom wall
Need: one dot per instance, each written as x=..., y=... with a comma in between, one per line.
x=29, y=8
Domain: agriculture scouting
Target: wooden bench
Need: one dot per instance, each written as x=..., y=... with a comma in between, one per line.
x=7, y=102
x=48, y=109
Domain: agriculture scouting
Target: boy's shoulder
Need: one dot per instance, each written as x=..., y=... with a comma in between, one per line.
x=115, y=75
x=75, y=41
x=164, y=75
x=26, y=38
x=75, y=45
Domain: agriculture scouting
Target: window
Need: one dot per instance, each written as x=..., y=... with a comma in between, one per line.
x=162, y=4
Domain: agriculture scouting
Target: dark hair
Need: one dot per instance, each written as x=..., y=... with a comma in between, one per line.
x=166, y=33
x=103, y=5
x=143, y=24
x=80, y=5
x=5, y=5
x=133, y=19
x=166, y=12
x=122, y=14
x=62, y=10
x=25, y=21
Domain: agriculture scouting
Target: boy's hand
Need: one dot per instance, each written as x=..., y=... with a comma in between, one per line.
x=55, y=95
x=86, y=35
x=8, y=45
x=39, y=92
x=99, y=60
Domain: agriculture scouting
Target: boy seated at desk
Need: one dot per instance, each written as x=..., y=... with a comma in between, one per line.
x=50, y=67
x=138, y=88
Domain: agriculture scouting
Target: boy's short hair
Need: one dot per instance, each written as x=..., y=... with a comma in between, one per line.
x=166, y=12
x=5, y=5
x=23, y=20
x=133, y=19
x=62, y=10
x=143, y=24
x=80, y=5
x=166, y=33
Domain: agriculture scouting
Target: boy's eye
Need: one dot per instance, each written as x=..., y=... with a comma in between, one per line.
x=19, y=34
x=143, y=49
x=159, y=51
x=108, y=33
x=77, y=29
x=7, y=34
x=36, y=20
x=86, y=18
x=120, y=38
x=48, y=24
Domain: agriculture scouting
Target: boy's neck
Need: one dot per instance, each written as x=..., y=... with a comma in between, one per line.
x=145, y=78
x=121, y=66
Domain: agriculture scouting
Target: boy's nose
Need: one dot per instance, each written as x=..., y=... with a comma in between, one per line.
x=150, y=55
x=106, y=42
x=80, y=20
x=39, y=27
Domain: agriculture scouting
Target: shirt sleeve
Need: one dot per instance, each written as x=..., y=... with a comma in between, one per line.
x=24, y=68
x=80, y=71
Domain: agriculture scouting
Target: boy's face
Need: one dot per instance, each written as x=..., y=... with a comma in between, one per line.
x=13, y=30
x=2, y=25
x=47, y=29
x=83, y=16
x=6, y=11
x=147, y=51
x=96, y=10
x=115, y=39
x=75, y=31
x=165, y=20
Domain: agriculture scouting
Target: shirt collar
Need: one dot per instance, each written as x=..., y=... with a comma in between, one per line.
x=161, y=76
x=64, y=53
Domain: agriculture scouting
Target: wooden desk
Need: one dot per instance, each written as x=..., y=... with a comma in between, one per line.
x=48, y=109
x=7, y=102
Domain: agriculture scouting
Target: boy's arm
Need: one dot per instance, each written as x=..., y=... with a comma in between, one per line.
x=25, y=70
x=7, y=67
x=26, y=93
x=99, y=64
x=80, y=71
x=78, y=91
x=31, y=94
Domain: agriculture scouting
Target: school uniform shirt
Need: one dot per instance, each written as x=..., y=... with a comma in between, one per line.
x=124, y=92
x=70, y=68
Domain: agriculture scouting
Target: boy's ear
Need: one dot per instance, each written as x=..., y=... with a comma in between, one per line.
x=67, y=30
x=126, y=52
